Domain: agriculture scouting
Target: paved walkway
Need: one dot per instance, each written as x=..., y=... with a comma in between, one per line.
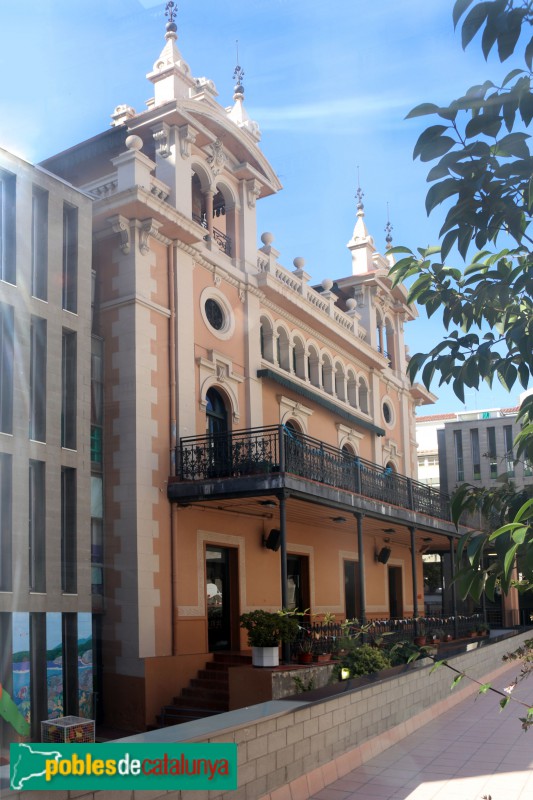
x=475, y=750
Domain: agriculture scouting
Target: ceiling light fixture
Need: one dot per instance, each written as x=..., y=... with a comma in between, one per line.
x=339, y=519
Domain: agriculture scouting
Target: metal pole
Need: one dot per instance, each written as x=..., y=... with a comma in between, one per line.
x=454, y=590
x=412, y=531
x=286, y=647
x=360, y=550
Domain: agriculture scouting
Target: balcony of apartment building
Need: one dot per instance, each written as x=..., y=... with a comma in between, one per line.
x=285, y=476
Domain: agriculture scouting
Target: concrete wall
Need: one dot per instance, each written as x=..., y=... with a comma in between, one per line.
x=308, y=743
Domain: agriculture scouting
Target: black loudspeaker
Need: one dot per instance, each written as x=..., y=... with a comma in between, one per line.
x=383, y=555
x=273, y=540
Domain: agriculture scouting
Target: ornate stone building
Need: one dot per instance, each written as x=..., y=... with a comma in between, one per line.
x=242, y=404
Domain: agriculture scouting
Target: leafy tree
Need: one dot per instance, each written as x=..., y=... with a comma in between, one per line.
x=483, y=174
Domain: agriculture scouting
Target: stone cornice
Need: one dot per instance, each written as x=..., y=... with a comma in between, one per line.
x=134, y=299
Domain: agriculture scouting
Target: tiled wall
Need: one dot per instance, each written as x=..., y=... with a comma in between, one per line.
x=292, y=754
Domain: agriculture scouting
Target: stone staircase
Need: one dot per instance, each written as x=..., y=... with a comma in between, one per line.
x=207, y=694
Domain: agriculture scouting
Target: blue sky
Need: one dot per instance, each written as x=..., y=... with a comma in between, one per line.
x=329, y=83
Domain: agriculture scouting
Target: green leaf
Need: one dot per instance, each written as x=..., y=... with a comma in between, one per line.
x=483, y=124
x=436, y=665
x=459, y=9
x=484, y=688
x=528, y=54
x=504, y=702
x=473, y=22
x=508, y=562
x=507, y=40
x=435, y=148
x=441, y=191
x=429, y=135
x=422, y=110
x=456, y=680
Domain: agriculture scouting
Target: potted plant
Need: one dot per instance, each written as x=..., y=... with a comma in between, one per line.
x=483, y=629
x=305, y=651
x=266, y=629
x=420, y=638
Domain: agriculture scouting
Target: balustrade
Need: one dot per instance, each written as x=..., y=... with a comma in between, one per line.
x=277, y=448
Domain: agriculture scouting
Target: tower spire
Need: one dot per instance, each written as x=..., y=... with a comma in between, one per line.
x=237, y=112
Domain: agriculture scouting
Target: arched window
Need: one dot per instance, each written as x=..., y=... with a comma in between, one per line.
x=223, y=221
x=379, y=333
x=313, y=366
x=199, y=214
x=298, y=351
x=216, y=413
x=284, y=355
x=363, y=396
x=340, y=382
x=327, y=374
x=352, y=389
x=391, y=344
x=267, y=340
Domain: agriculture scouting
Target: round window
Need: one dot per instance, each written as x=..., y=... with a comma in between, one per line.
x=387, y=413
x=214, y=314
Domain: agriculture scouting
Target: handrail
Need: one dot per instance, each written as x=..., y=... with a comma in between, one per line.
x=277, y=448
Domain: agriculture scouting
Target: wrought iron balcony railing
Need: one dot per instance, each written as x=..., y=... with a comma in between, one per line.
x=259, y=451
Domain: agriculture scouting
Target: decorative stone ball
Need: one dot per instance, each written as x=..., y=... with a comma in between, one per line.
x=327, y=283
x=351, y=304
x=299, y=262
x=267, y=238
x=134, y=142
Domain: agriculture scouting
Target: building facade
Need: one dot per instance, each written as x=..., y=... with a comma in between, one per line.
x=470, y=447
x=257, y=438
x=45, y=540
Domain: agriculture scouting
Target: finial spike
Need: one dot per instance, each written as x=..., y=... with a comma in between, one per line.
x=171, y=10
x=238, y=73
x=359, y=196
x=388, y=231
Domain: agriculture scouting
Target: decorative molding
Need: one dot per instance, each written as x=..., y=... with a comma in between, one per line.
x=161, y=134
x=290, y=408
x=217, y=158
x=253, y=190
x=148, y=227
x=187, y=136
x=121, y=225
x=216, y=370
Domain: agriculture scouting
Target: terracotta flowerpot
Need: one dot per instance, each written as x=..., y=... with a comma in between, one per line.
x=324, y=658
x=305, y=658
x=420, y=641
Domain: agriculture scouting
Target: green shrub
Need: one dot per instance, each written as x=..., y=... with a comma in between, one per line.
x=363, y=660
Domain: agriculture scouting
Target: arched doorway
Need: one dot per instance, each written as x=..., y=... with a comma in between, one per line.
x=216, y=413
x=217, y=431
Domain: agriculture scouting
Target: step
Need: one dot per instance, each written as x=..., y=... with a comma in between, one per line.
x=207, y=685
x=218, y=675
x=233, y=659
x=205, y=694
x=199, y=701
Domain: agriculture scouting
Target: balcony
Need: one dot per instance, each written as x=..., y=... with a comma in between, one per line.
x=278, y=450
x=222, y=241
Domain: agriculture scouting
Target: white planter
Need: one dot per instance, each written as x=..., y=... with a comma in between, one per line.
x=265, y=656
